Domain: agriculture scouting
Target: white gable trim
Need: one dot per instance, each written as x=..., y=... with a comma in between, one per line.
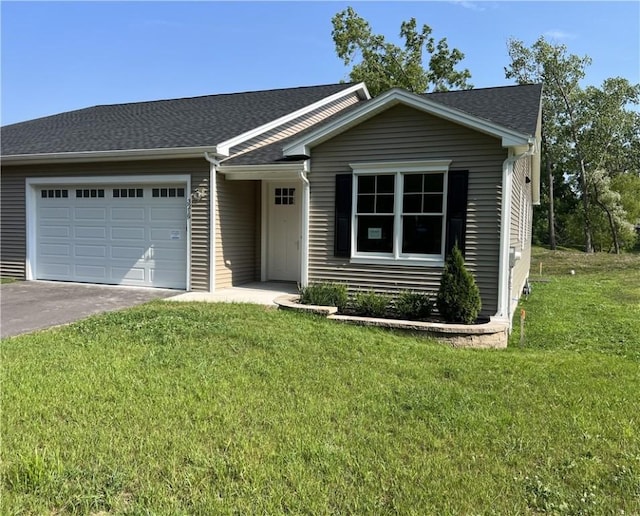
x=224, y=148
x=509, y=137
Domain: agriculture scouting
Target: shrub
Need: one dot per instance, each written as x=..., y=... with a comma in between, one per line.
x=414, y=306
x=370, y=304
x=325, y=294
x=458, y=299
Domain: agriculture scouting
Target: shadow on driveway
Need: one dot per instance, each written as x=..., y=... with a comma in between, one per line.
x=26, y=306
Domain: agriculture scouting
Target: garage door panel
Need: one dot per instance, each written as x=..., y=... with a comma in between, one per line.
x=57, y=270
x=55, y=250
x=82, y=214
x=90, y=251
x=133, y=240
x=57, y=213
x=167, y=214
x=128, y=214
x=122, y=233
x=90, y=232
x=133, y=274
x=54, y=231
x=95, y=273
x=137, y=253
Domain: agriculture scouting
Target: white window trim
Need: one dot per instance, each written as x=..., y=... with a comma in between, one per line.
x=398, y=169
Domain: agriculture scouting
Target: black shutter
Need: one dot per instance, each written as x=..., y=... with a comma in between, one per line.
x=342, y=243
x=456, y=209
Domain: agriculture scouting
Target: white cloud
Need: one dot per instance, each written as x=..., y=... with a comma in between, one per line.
x=557, y=34
x=474, y=6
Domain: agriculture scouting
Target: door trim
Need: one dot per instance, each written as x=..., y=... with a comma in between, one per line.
x=265, y=224
x=31, y=212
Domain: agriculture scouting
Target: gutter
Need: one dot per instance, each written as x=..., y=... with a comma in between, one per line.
x=111, y=155
x=304, y=255
x=214, y=164
x=505, y=265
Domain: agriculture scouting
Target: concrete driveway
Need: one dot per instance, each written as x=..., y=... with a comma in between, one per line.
x=26, y=306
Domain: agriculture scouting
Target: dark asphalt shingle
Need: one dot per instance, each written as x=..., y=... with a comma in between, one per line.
x=187, y=122
x=513, y=107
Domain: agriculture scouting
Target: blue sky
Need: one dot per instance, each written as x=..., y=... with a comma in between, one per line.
x=60, y=56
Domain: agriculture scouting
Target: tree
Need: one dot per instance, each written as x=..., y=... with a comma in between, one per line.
x=560, y=73
x=458, y=298
x=589, y=135
x=383, y=65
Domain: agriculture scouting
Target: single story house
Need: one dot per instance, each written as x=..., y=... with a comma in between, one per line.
x=308, y=184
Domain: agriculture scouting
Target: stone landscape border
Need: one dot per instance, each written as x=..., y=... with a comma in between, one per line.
x=491, y=335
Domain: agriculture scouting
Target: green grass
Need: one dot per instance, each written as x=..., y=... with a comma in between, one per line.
x=174, y=408
x=4, y=281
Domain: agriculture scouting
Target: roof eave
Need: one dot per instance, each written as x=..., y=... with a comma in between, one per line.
x=111, y=155
x=509, y=137
x=224, y=148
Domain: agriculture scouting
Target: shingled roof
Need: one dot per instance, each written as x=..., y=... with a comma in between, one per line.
x=513, y=107
x=178, y=123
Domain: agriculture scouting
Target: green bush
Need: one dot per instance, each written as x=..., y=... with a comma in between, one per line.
x=414, y=306
x=325, y=294
x=370, y=304
x=458, y=299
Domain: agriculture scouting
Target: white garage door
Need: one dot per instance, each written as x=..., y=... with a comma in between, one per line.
x=113, y=234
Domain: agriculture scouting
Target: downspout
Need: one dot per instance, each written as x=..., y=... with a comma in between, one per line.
x=304, y=249
x=212, y=219
x=505, y=265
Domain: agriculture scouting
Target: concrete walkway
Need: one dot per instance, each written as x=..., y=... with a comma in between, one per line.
x=258, y=293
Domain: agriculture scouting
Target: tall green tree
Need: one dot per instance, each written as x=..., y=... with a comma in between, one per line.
x=383, y=65
x=561, y=74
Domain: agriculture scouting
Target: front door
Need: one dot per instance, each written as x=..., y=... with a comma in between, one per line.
x=283, y=242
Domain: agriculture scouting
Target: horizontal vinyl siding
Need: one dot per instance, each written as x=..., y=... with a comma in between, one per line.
x=520, y=237
x=237, y=232
x=402, y=133
x=13, y=250
x=296, y=125
x=12, y=225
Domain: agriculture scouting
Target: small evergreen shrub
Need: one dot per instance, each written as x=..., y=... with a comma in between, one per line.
x=325, y=294
x=414, y=306
x=370, y=304
x=458, y=298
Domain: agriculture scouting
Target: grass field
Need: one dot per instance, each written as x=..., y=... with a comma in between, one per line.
x=176, y=408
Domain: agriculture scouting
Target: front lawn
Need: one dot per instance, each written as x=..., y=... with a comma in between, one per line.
x=174, y=408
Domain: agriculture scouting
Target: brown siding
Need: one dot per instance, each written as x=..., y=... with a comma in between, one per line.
x=237, y=232
x=13, y=250
x=403, y=133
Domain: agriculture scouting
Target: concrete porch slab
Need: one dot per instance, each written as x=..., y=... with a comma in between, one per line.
x=257, y=293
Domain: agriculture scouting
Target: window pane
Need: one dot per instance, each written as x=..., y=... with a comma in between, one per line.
x=421, y=234
x=413, y=183
x=433, y=182
x=384, y=203
x=385, y=184
x=433, y=203
x=101, y=193
x=138, y=192
x=366, y=203
x=375, y=234
x=155, y=192
x=412, y=203
x=180, y=192
x=366, y=184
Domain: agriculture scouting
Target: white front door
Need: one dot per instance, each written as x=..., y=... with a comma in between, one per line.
x=284, y=237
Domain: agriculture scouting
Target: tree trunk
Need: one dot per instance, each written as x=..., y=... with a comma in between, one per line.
x=552, y=216
x=588, y=238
